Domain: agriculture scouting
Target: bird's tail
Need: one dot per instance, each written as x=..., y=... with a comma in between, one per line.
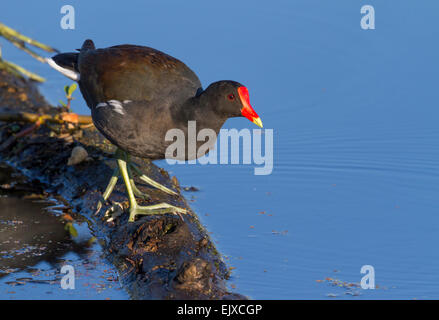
x=67, y=63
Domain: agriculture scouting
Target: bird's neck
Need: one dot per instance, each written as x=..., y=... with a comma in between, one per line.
x=202, y=110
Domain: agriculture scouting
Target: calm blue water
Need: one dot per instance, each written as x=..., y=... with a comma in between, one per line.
x=354, y=113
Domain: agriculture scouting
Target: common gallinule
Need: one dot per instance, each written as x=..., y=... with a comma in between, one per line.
x=136, y=94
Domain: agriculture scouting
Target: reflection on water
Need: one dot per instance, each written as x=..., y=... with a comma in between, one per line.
x=27, y=236
x=35, y=243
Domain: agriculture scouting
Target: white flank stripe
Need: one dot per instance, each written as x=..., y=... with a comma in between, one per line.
x=102, y=104
x=117, y=106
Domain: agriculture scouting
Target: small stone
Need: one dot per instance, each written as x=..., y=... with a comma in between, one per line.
x=78, y=155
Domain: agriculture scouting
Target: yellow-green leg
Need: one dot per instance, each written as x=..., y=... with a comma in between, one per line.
x=135, y=209
x=108, y=190
x=136, y=191
x=149, y=180
x=129, y=167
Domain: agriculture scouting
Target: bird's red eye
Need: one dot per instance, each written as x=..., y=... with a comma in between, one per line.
x=231, y=97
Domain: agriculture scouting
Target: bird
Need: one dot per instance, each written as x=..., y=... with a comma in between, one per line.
x=136, y=95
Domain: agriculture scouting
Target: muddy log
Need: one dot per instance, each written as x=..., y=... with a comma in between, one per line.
x=158, y=257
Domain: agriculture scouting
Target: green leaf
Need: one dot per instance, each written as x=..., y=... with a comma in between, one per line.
x=62, y=103
x=71, y=229
x=66, y=89
x=71, y=89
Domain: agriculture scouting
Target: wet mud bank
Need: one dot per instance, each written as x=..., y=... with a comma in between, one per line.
x=39, y=235
x=158, y=257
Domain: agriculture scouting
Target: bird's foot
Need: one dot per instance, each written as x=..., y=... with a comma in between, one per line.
x=160, y=208
x=108, y=190
x=101, y=202
x=114, y=211
x=99, y=206
x=110, y=187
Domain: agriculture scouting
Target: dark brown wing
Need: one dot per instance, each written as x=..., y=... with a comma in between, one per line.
x=138, y=127
x=129, y=72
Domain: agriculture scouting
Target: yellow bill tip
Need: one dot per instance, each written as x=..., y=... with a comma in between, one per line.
x=258, y=122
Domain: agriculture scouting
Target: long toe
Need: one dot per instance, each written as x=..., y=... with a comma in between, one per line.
x=161, y=208
x=99, y=205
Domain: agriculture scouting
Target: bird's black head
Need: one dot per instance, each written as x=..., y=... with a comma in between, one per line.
x=231, y=99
